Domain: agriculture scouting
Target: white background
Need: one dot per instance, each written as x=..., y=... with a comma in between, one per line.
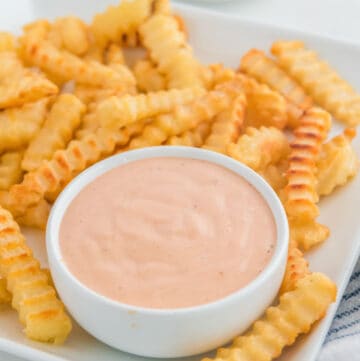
x=333, y=18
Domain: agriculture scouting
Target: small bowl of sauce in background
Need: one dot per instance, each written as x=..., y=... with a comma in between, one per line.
x=167, y=251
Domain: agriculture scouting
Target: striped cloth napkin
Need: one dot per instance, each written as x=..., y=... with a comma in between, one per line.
x=343, y=340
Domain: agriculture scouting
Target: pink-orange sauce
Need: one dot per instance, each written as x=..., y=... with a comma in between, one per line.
x=167, y=233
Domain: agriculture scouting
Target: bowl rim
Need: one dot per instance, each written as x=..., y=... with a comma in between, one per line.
x=86, y=177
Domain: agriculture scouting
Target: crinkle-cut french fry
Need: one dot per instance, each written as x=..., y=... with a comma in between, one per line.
x=115, y=60
x=274, y=174
x=215, y=74
x=181, y=24
x=90, y=94
x=54, y=174
x=19, y=125
x=119, y=137
x=65, y=65
x=19, y=85
x=69, y=67
x=36, y=216
x=307, y=234
x=128, y=78
x=131, y=39
x=297, y=267
x=95, y=51
x=256, y=64
x=300, y=195
x=64, y=117
x=162, y=7
x=257, y=148
x=296, y=312
x=73, y=34
x=227, y=126
x=119, y=20
x=114, y=55
x=10, y=169
x=320, y=80
x=148, y=78
x=5, y=296
x=294, y=114
x=264, y=106
x=4, y=199
x=89, y=125
x=39, y=309
x=188, y=116
x=117, y=112
x=192, y=138
x=169, y=50
x=337, y=163
x=7, y=41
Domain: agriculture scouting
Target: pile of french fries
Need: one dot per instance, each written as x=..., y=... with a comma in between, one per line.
x=72, y=94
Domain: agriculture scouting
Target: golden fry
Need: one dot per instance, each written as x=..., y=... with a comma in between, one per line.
x=337, y=163
x=258, y=148
x=10, y=169
x=308, y=234
x=322, y=82
x=300, y=192
x=192, y=138
x=119, y=20
x=19, y=125
x=297, y=267
x=65, y=65
x=227, y=126
x=89, y=94
x=188, y=116
x=215, y=74
x=265, y=107
x=35, y=300
x=117, y=112
x=296, y=312
x=5, y=296
x=115, y=60
x=7, y=42
x=36, y=216
x=74, y=34
x=89, y=125
x=148, y=78
x=169, y=50
x=19, y=85
x=256, y=64
x=95, y=51
x=114, y=55
x=53, y=175
x=162, y=7
x=274, y=174
x=64, y=117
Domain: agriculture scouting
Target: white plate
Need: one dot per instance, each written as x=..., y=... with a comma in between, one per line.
x=224, y=39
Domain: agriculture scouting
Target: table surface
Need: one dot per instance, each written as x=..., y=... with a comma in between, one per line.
x=333, y=18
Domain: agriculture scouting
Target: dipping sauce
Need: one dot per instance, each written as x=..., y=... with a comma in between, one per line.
x=167, y=233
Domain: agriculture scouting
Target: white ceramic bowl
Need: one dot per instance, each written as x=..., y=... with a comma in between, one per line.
x=166, y=332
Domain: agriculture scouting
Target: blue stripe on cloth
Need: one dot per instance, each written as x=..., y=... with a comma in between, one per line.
x=348, y=312
x=346, y=322
x=343, y=327
x=346, y=335
x=354, y=293
x=354, y=276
